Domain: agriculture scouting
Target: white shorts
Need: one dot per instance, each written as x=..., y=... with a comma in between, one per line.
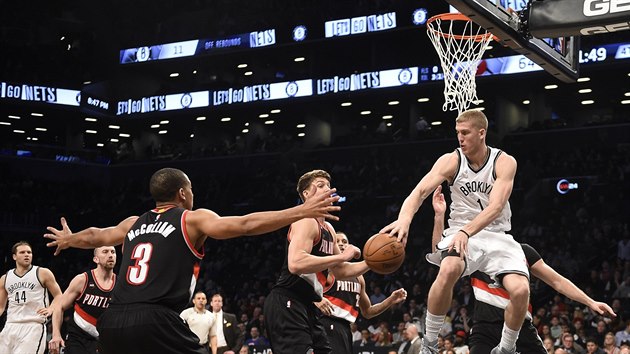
x=492, y=253
x=23, y=338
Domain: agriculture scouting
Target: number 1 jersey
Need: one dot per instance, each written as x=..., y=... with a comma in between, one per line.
x=160, y=264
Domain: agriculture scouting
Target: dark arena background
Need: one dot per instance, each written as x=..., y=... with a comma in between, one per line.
x=246, y=96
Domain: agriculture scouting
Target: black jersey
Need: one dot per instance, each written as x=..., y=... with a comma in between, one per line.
x=491, y=301
x=89, y=306
x=344, y=296
x=308, y=287
x=159, y=265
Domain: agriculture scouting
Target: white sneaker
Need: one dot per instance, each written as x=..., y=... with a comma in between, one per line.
x=498, y=350
x=429, y=347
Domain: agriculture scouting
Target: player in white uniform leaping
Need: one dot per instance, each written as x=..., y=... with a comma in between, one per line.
x=26, y=287
x=481, y=180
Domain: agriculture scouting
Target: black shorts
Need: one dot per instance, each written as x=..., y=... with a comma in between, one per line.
x=293, y=326
x=486, y=335
x=145, y=329
x=339, y=334
x=78, y=344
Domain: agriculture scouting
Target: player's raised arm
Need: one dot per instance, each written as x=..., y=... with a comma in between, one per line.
x=443, y=170
x=91, y=237
x=206, y=222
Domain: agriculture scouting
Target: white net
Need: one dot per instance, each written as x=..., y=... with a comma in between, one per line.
x=460, y=43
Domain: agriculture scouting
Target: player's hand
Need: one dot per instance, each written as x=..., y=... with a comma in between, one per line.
x=321, y=205
x=459, y=244
x=59, y=237
x=602, y=309
x=351, y=252
x=55, y=344
x=397, y=228
x=439, y=204
x=399, y=295
x=325, y=306
x=45, y=311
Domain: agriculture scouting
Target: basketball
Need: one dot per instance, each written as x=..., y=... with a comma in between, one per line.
x=383, y=254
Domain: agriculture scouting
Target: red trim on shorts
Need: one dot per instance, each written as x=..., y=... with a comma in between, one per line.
x=343, y=305
x=191, y=247
x=321, y=278
x=332, y=277
x=196, y=269
x=84, y=315
x=480, y=284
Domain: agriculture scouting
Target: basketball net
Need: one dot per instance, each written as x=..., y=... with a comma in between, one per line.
x=460, y=43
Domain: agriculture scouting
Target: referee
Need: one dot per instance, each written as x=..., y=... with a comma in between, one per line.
x=201, y=322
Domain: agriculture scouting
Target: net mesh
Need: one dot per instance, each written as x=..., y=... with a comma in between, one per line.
x=460, y=43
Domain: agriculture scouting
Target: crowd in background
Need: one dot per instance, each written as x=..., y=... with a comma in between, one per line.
x=583, y=234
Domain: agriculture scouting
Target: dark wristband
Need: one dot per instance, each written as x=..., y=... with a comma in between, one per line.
x=465, y=233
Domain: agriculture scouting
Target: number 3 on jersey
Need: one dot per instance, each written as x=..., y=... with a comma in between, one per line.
x=137, y=274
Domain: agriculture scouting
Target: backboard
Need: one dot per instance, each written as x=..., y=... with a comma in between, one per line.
x=558, y=56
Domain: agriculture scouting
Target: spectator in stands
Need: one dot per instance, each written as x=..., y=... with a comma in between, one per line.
x=592, y=347
x=255, y=338
x=609, y=346
x=365, y=340
x=623, y=335
x=569, y=346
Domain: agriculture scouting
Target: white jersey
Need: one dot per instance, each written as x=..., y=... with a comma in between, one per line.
x=26, y=295
x=470, y=194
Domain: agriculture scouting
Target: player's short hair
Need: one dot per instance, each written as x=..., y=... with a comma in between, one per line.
x=305, y=181
x=198, y=292
x=18, y=244
x=165, y=183
x=98, y=248
x=476, y=117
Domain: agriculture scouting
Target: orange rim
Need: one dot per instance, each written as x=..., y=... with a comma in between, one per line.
x=457, y=17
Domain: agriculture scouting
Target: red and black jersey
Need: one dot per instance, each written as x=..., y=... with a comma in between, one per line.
x=308, y=287
x=159, y=263
x=491, y=300
x=344, y=295
x=89, y=306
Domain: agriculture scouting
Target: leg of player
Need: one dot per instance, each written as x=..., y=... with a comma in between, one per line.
x=517, y=286
x=439, y=301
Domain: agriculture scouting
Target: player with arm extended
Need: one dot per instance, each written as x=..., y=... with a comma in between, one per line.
x=26, y=288
x=293, y=323
x=490, y=302
x=481, y=180
x=342, y=301
x=160, y=262
x=90, y=292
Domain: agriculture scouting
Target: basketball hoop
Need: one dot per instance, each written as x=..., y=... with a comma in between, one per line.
x=460, y=43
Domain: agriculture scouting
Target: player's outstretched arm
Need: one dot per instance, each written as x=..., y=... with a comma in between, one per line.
x=439, y=208
x=443, y=170
x=65, y=301
x=566, y=287
x=89, y=238
x=369, y=310
x=212, y=225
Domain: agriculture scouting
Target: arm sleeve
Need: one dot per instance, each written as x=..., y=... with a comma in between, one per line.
x=531, y=254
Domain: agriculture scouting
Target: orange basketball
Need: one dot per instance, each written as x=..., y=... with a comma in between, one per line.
x=383, y=253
